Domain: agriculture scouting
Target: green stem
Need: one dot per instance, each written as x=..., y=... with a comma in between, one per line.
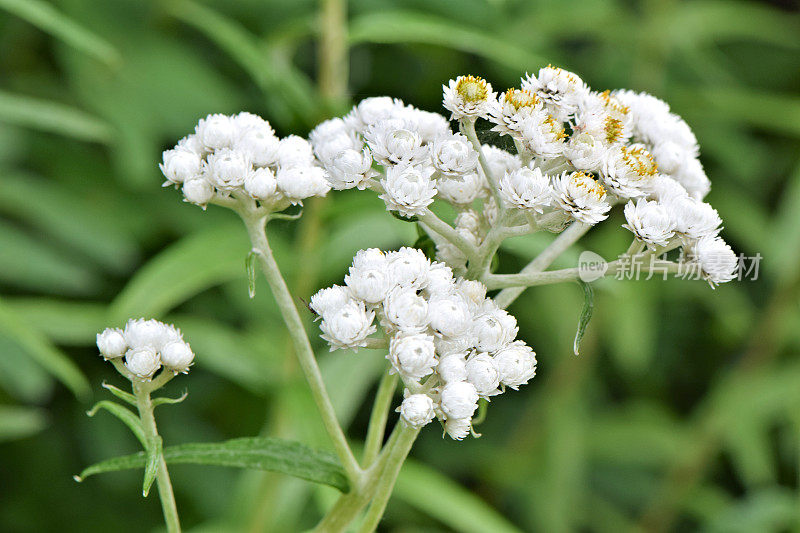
x=378, y=417
x=145, y=405
x=333, y=51
x=383, y=491
x=256, y=228
x=468, y=126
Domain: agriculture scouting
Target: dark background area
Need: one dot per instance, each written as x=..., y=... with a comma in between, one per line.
x=682, y=412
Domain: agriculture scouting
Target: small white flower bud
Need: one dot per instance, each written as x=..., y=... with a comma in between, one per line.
x=412, y=356
x=475, y=291
x=453, y=156
x=348, y=326
x=177, y=356
x=350, y=168
x=295, y=151
x=526, y=188
x=330, y=299
x=227, y=169
x=483, y=373
x=143, y=362
x=408, y=267
x=458, y=428
x=261, y=184
x=516, y=364
x=111, y=343
x=417, y=410
x=459, y=399
x=463, y=190
x=181, y=164
x=198, y=191
x=259, y=144
x=406, y=310
x=369, y=285
x=370, y=258
x=141, y=333
x=440, y=279
x=300, y=182
x=449, y=314
x=494, y=330
x=452, y=368
x=216, y=131
x=407, y=189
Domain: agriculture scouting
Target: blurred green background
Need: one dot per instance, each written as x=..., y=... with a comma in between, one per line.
x=681, y=414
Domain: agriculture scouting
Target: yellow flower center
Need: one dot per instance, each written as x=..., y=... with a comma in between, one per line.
x=613, y=128
x=519, y=98
x=585, y=181
x=640, y=160
x=472, y=88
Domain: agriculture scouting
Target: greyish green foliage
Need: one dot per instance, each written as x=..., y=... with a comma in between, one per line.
x=682, y=412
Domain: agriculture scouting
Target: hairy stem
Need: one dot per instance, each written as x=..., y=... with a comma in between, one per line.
x=378, y=417
x=256, y=228
x=145, y=405
x=469, y=130
x=429, y=219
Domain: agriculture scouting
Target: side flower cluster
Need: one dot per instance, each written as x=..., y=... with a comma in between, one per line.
x=450, y=344
x=146, y=346
x=240, y=156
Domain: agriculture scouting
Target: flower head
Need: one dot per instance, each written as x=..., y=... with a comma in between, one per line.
x=468, y=97
x=579, y=195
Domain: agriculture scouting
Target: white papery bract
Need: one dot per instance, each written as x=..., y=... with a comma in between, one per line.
x=716, y=260
x=560, y=89
x=694, y=219
x=463, y=190
x=395, y=141
x=454, y=156
x=446, y=339
x=468, y=97
x=650, y=222
x=146, y=345
x=526, y=188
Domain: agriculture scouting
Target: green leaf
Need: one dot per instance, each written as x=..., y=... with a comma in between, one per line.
x=52, y=117
x=39, y=348
x=20, y=376
x=170, y=401
x=63, y=322
x=250, y=268
x=119, y=393
x=410, y=27
x=586, y=314
x=124, y=414
x=20, y=422
x=191, y=265
x=45, y=17
x=153, y=453
x=448, y=502
x=272, y=455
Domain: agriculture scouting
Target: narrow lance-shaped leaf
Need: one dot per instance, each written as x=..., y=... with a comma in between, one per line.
x=153, y=453
x=169, y=401
x=119, y=393
x=272, y=455
x=586, y=314
x=124, y=414
x=20, y=422
x=250, y=267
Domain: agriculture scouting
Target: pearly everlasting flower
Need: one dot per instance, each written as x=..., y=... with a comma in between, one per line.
x=543, y=135
x=348, y=326
x=514, y=108
x=628, y=171
x=227, y=169
x=257, y=142
x=351, y=168
x=665, y=189
x=373, y=110
x=408, y=190
x=694, y=219
x=650, y=222
x=439, y=280
x=494, y=329
x=111, y=343
x=475, y=292
x=449, y=314
x=417, y=410
x=261, y=184
x=180, y=165
x=370, y=258
x=294, y=151
x=430, y=126
x=561, y=89
x=463, y=190
x=368, y=284
x=516, y=364
x=412, y=356
x=459, y=399
x=408, y=267
x=216, y=132
x=500, y=161
x=458, y=428
x=452, y=368
x=526, y=188
x=454, y=156
x=177, y=356
x=693, y=178
x=394, y=143
x=717, y=262
x=301, y=182
x=581, y=197
x=330, y=299
x=468, y=97
x=483, y=373
x=140, y=334
x=142, y=362
x=406, y=310
x=586, y=152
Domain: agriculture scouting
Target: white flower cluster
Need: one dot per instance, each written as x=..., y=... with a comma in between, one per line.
x=146, y=345
x=240, y=156
x=449, y=343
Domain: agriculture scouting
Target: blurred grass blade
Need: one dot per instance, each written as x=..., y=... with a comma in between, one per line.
x=448, y=502
x=153, y=454
x=272, y=455
x=124, y=414
x=20, y=422
x=39, y=348
x=191, y=265
x=586, y=314
x=20, y=376
x=45, y=17
x=64, y=322
x=52, y=117
x=410, y=27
